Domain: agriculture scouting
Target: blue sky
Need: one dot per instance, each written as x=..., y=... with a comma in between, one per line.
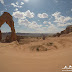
x=38, y=16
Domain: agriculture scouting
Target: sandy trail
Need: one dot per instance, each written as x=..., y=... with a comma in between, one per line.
x=12, y=60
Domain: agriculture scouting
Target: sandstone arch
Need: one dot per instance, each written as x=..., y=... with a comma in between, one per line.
x=6, y=17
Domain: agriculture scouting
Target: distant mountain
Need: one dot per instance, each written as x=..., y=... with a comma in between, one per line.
x=33, y=34
x=26, y=34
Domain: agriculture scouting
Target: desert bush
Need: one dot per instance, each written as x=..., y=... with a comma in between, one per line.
x=8, y=39
x=49, y=44
x=44, y=37
x=19, y=38
x=54, y=35
x=38, y=48
x=37, y=37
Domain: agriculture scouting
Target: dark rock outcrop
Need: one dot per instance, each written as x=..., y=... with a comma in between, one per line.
x=66, y=31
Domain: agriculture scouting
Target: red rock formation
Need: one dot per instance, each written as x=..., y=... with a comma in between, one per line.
x=6, y=17
x=0, y=35
x=69, y=29
x=66, y=31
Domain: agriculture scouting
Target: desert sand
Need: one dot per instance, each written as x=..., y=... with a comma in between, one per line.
x=15, y=57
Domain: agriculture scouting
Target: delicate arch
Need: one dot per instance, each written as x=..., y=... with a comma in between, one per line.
x=6, y=17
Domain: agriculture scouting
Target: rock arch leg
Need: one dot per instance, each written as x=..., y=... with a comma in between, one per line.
x=13, y=34
x=0, y=34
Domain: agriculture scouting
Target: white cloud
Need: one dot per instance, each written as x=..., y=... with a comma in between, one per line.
x=52, y=28
x=26, y=0
x=23, y=15
x=49, y=23
x=56, y=14
x=5, y=8
x=43, y=15
x=59, y=19
x=24, y=22
x=66, y=24
x=23, y=31
x=16, y=5
x=2, y=1
x=71, y=9
x=22, y=3
x=16, y=9
x=19, y=14
x=38, y=20
x=50, y=18
x=56, y=1
x=45, y=22
x=46, y=25
x=38, y=28
x=2, y=12
x=29, y=14
x=32, y=25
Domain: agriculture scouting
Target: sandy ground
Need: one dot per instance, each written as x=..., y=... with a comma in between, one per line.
x=18, y=58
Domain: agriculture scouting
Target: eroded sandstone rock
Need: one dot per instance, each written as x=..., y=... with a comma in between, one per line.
x=66, y=31
x=6, y=17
